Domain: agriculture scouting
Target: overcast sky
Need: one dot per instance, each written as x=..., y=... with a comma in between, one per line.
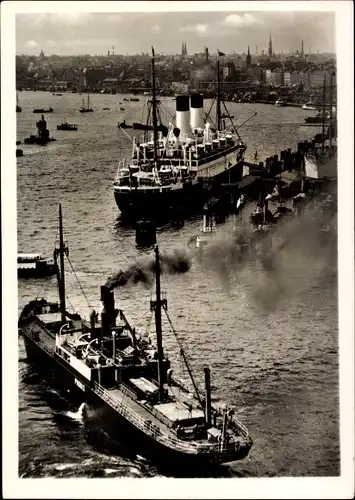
x=134, y=32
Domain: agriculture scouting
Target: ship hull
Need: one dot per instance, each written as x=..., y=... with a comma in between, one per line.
x=136, y=204
x=61, y=375
x=37, y=273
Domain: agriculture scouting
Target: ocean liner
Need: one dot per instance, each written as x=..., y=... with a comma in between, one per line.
x=178, y=166
x=121, y=374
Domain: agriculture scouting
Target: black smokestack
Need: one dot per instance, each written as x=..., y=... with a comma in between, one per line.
x=142, y=271
x=108, y=314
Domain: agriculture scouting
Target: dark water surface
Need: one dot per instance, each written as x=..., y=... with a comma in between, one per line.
x=271, y=341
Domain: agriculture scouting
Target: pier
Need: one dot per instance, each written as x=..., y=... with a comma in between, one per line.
x=284, y=169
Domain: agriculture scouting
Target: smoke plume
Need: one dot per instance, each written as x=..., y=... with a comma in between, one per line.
x=142, y=271
x=294, y=256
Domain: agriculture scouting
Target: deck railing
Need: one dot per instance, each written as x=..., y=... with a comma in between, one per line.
x=31, y=333
x=167, y=439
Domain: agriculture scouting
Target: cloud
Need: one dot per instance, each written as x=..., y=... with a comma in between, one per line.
x=156, y=29
x=199, y=29
x=242, y=20
x=31, y=43
x=72, y=18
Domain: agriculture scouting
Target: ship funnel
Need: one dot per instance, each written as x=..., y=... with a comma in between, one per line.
x=196, y=116
x=207, y=395
x=108, y=313
x=183, y=114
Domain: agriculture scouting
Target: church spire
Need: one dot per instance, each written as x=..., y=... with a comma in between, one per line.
x=270, y=46
x=248, y=60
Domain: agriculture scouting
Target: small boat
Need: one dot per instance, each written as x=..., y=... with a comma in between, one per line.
x=124, y=125
x=121, y=109
x=18, y=107
x=19, y=152
x=67, y=126
x=318, y=119
x=309, y=106
x=34, y=265
x=57, y=94
x=86, y=109
x=134, y=99
x=125, y=99
x=280, y=103
x=106, y=109
x=41, y=110
x=42, y=138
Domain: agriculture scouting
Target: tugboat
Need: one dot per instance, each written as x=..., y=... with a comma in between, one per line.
x=129, y=380
x=42, y=138
x=176, y=165
x=67, y=126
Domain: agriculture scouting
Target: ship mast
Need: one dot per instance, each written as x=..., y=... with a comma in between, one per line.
x=323, y=117
x=218, y=94
x=157, y=306
x=61, y=279
x=331, y=109
x=154, y=109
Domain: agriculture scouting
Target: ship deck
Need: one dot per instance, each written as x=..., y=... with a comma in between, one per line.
x=138, y=409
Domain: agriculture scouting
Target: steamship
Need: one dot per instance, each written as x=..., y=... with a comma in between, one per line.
x=128, y=380
x=178, y=166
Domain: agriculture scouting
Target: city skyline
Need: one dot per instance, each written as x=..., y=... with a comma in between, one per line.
x=97, y=33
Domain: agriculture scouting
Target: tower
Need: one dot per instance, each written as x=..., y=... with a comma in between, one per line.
x=183, y=49
x=248, y=59
x=302, y=51
x=270, y=46
x=206, y=54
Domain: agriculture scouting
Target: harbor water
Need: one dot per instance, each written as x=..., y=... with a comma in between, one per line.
x=271, y=342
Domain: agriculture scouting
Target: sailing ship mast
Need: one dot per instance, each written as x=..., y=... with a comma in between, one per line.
x=154, y=109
